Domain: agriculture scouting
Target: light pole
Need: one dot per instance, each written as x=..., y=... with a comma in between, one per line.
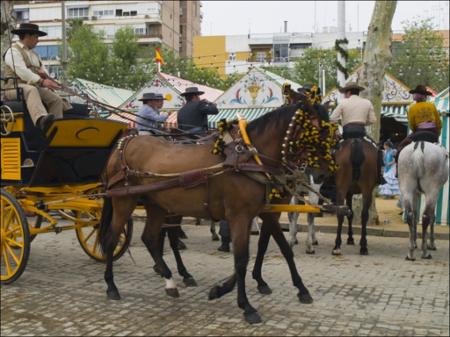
x=64, y=43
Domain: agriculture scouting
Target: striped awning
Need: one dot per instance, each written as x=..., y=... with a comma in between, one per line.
x=398, y=112
x=230, y=114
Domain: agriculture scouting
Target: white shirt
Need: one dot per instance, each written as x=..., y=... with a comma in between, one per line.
x=354, y=109
x=19, y=65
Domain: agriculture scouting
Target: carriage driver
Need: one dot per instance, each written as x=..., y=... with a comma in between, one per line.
x=150, y=115
x=355, y=114
x=25, y=64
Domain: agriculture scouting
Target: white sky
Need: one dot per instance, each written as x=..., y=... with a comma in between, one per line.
x=236, y=17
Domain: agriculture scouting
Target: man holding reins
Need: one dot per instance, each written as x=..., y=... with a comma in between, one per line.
x=26, y=65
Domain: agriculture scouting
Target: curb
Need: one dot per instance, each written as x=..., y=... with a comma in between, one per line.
x=370, y=231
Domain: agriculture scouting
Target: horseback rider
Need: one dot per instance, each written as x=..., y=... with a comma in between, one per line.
x=423, y=120
x=149, y=114
x=193, y=116
x=355, y=114
x=26, y=65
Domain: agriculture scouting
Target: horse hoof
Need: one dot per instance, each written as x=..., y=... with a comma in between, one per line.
x=364, y=252
x=426, y=257
x=214, y=293
x=351, y=242
x=189, y=282
x=252, y=318
x=264, y=289
x=336, y=252
x=315, y=243
x=172, y=292
x=407, y=258
x=305, y=298
x=113, y=295
x=310, y=251
x=431, y=247
x=215, y=237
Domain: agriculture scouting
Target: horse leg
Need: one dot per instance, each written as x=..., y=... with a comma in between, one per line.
x=350, y=240
x=122, y=209
x=367, y=201
x=408, y=204
x=263, y=242
x=220, y=290
x=432, y=245
x=303, y=293
x=151, y=238
x=188, y=280
x=212, y=229
x=293, y=219
x=340, y=217
x=240, y=235
x=311, y=239
x=428, y=218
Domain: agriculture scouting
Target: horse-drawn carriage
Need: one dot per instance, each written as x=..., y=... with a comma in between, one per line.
x=49, y=177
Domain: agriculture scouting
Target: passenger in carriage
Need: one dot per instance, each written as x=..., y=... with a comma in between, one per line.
x=355, y=114
x=26, y=65
x=150, y=115
x=193, y=116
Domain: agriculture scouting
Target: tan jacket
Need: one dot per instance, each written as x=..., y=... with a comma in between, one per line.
x=354, y=109
x=23, y=63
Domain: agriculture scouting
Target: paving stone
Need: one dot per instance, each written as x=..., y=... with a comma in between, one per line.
x=62, y=291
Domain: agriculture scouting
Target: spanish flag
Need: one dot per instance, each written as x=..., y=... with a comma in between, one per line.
x=158, y=57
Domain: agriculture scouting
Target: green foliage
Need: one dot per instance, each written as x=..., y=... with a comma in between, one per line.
x=306, y=69
x=93, y=60
x=420, y=58
x=186, y=69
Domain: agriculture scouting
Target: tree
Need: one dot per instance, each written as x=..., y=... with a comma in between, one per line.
x=8, y=22
x=118, y=66
x=421, y=56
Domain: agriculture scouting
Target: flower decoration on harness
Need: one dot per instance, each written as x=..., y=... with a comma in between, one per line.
x=219, y=145
x=313, y=95
x=303, y=136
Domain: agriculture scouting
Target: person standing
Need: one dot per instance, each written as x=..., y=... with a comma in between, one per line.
x=23, y=63
x=391, y=188
x=193, y=116
x=149, y=115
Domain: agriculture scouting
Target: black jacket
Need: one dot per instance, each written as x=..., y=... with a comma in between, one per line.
x=195, y=115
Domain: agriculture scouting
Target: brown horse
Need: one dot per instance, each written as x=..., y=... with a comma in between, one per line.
x=229, y=194
x=357, y=173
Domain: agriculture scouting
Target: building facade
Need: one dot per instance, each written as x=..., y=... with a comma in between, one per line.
x=171, y=24
x=238, y=53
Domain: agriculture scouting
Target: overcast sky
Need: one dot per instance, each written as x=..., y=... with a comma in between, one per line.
x=238, y=17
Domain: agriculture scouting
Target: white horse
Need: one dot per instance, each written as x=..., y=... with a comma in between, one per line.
x=311, y=239
x=423, y=168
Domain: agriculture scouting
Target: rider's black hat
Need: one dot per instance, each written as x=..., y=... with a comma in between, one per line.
x=192, y=91
x=420, y=89
x=29, y=28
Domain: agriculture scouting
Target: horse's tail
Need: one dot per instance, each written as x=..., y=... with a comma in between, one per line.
x=356, y=158
x=417, y=158
x=105, y=223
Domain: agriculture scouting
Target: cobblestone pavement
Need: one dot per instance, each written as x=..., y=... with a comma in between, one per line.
x=62, y=292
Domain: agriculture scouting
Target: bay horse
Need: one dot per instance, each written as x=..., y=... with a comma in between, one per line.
x=423, y=168
x=357, y=173
x=229, y=194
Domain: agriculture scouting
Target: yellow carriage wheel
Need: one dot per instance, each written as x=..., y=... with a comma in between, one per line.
x=15, y=238
x=88, y=237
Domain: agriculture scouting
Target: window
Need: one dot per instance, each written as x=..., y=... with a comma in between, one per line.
x=106, y=12
x=281, y=52
x=133, y=13
x=126, y=14
x=81, y=12
x=22, y=15
x=139, y=31
x=118, y=12
x=48, y=52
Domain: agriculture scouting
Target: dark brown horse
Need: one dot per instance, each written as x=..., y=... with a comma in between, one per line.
x=357, y=173
x=234, y=196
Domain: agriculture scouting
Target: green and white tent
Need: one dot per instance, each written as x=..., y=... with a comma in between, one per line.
x=254, y=95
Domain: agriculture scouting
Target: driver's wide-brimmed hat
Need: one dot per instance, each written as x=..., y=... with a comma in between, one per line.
x=420, y=89
x=28, y=28
x=149, y=96
x=351, y=85
x=192, y=91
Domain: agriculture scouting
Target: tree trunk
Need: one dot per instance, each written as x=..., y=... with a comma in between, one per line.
x=377, y=55
x=8, y=22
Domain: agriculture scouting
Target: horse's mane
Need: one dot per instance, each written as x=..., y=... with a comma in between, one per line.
x=281, y=115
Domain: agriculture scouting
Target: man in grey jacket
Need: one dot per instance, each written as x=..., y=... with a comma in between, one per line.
x=149, y=115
